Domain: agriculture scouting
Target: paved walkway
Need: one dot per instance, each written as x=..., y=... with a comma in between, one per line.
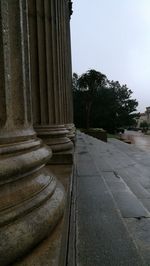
x=110, y=218
x=138, y=138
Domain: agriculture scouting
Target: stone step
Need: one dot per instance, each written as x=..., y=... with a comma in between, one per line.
x=137, y=154
x=127, y=170
x=129, y=184
x=127, y=202
x=102, y=237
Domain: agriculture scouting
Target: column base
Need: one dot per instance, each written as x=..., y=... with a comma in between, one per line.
x=47, y=253
x=72, y=131
x=62, y=158
x=31, y=199
x=56, y=137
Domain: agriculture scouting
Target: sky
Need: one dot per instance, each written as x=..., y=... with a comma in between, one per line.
x=113, y=37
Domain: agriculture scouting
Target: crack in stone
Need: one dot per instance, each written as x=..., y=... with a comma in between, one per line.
x=116, y=174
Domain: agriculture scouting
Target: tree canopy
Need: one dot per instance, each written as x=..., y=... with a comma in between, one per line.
x=99, y=102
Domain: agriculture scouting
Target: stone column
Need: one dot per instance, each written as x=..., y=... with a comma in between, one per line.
x=66, y=39
x=31, y=201
x=46, y=81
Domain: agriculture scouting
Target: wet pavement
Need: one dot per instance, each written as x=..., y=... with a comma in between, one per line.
x=110, y=208
x=138, y=138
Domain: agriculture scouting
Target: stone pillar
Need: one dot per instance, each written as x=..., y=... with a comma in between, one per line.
x=31, y=200
x=66, y=39
x=46, y=81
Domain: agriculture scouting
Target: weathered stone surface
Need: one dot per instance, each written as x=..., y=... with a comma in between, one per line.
x=20, y=235
x=66, y=71
x=72, y=131
x=47, y=253
x=140, y=231
x=56, y=137
x=102, y=238
x=52, y=250
x=129, y=205
x=47, y=85
x=31, y=199
x=101, y=233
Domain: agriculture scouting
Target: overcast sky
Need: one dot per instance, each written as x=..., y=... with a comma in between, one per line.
x=113, y=37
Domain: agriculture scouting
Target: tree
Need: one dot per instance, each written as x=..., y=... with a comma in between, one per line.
x=124, y=106
x=99, y=102
x=75, y=84
x=90, y=83
x=144, y=125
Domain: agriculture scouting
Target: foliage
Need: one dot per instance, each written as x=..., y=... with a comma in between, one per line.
x=144, y=124
x=101, y=103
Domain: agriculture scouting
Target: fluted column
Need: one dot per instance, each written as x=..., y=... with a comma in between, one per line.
x=66, y=51
x=46, y=80
x=31, y=200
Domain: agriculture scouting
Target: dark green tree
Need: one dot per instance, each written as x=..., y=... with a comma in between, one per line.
x=99, y=102
x=89, y=84
x=75, y=84
x=124, y=106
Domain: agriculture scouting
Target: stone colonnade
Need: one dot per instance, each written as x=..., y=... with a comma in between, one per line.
x=34, y=69
x=50, y=57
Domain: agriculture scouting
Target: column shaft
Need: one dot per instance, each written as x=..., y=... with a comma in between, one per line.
x=31, y=200
x=67, y=86
x=50, y=126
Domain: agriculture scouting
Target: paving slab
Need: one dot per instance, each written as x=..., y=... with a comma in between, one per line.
x=101, y=236
x=127, y=202
x=146, y=203
x=129, y=205
x=140, y=231
x=136, y=183
x=111, y=204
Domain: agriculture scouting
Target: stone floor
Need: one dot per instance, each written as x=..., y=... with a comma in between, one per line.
x=110, y=211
